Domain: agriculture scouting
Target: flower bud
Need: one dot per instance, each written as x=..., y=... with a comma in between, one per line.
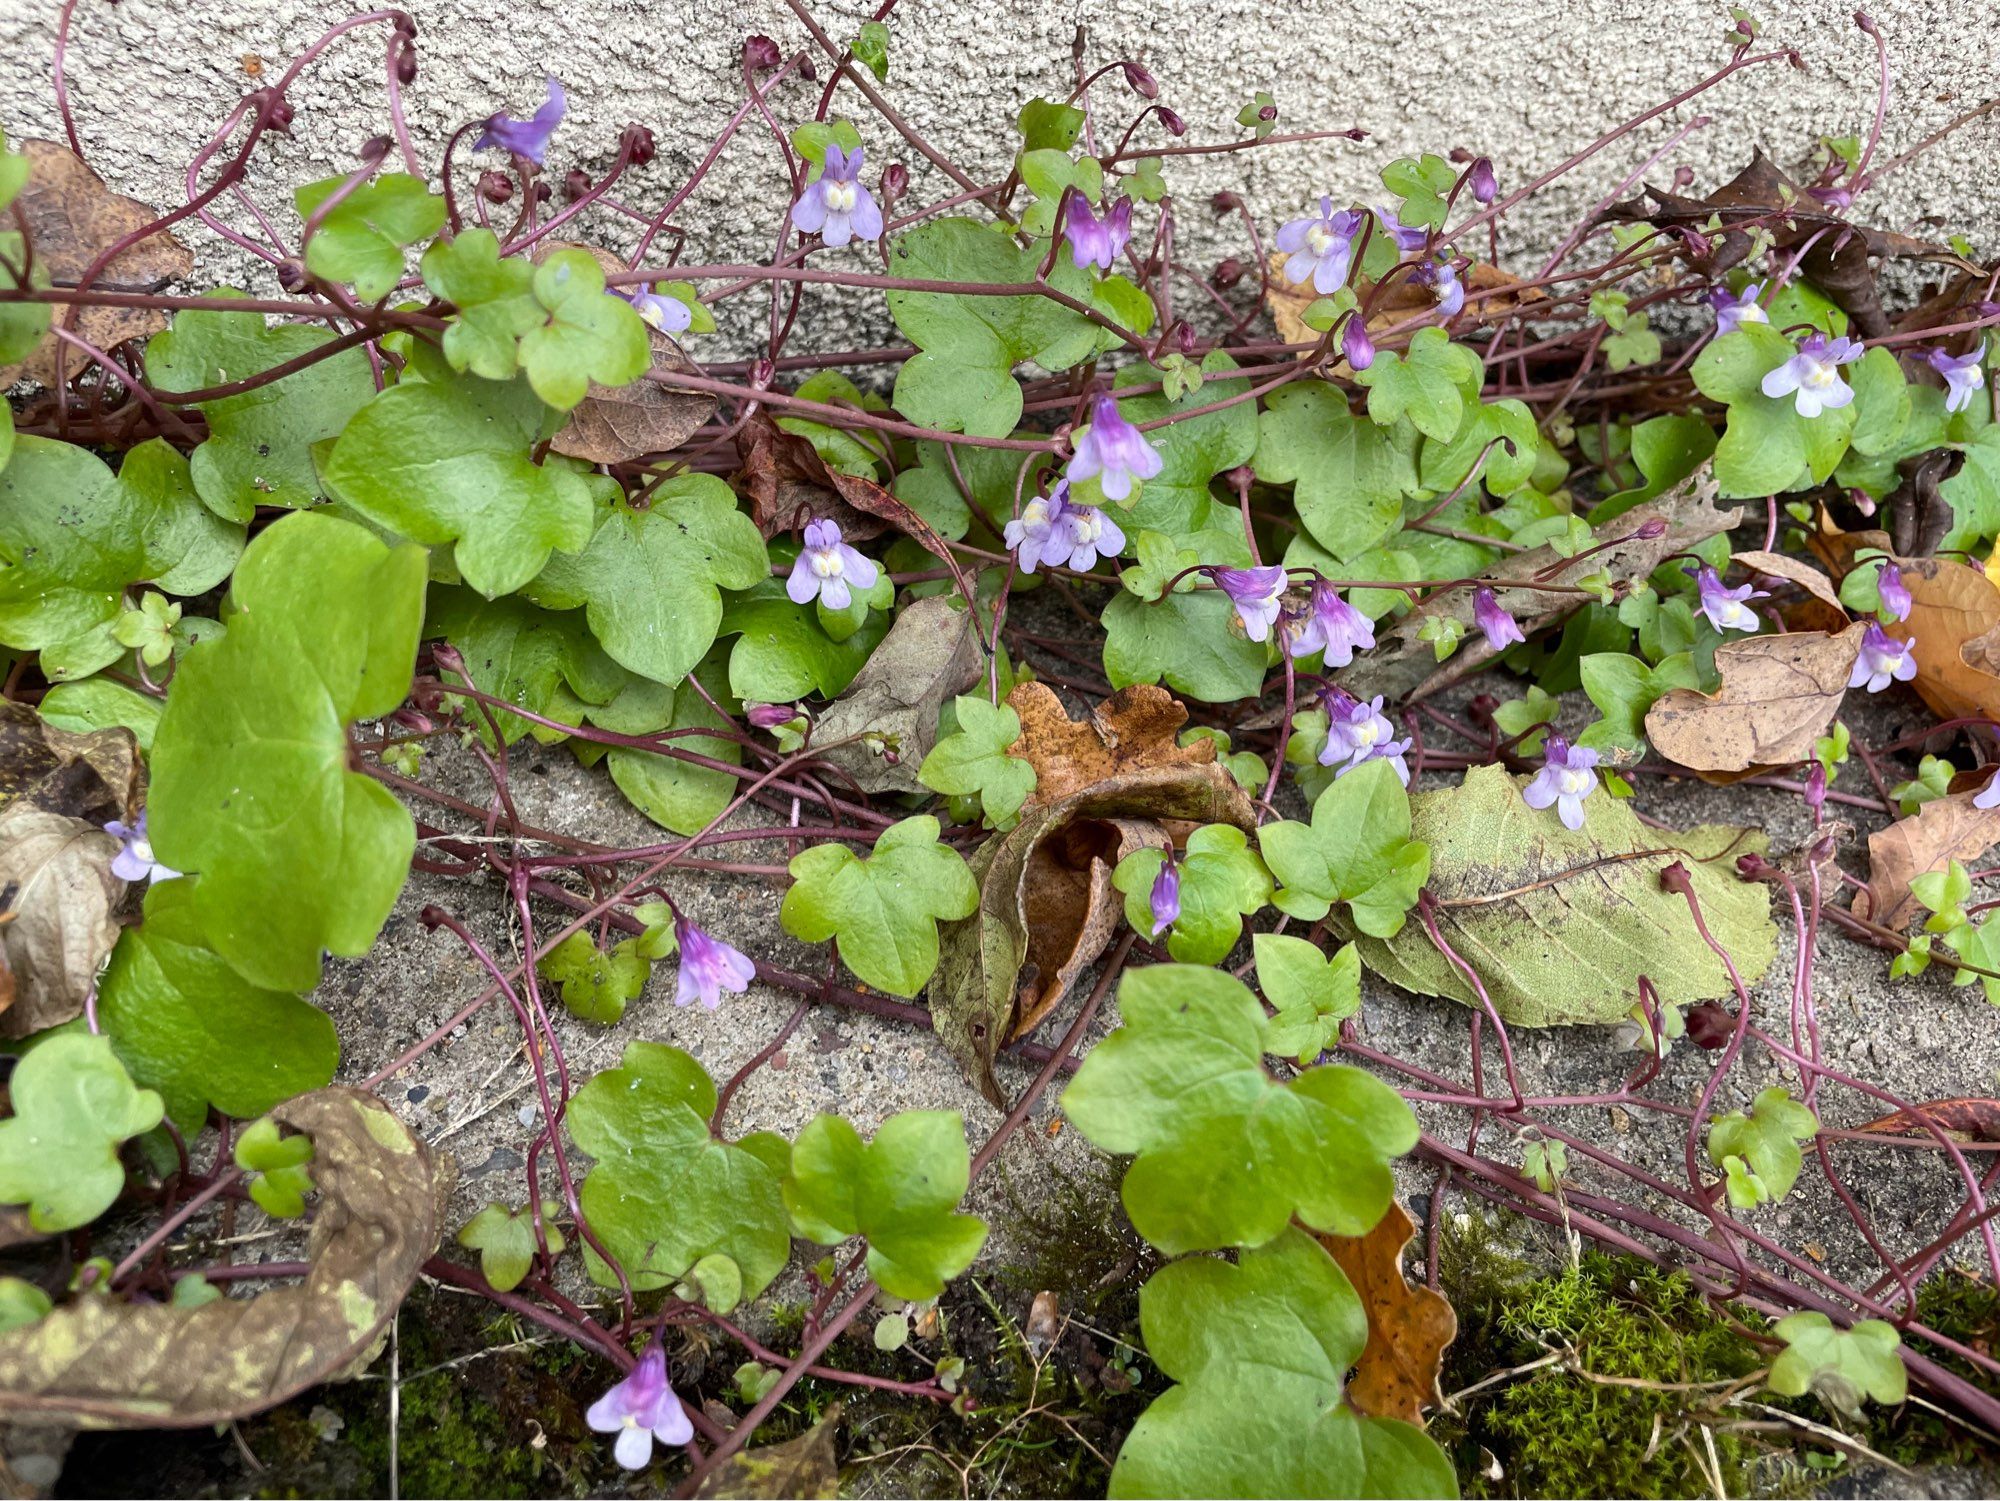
x=640, y=148
x=1226, y=273
x=292, y=275
x=496, y=186
x=1142, y=81
x=1709, y=1026
x=770, y=716
x=375, y=148
x=1483, y=185
x=895, y=181
x=1816, y=789
x=760, y=53
x=1268, y=112
x=1225, y=203
x=1866, y=22
x=576, y=183
x=543, y=192
x=406, y=65
x=281, y=115
x=763, y=372
x=1174, y=123
x=1651, y=529
x=1675, y=878
x=1355, y=343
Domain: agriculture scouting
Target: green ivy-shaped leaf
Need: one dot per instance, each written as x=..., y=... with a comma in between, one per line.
x=361, y=238
x=451, y=460
x=538, y=659
x=1624, y=688
x=974, y=759
x=1518, y=715
x=1313, y=993
x=676, y=794
x=1767, y=447
x=293, y=853
x=1665, y=450
x=596, y=983
x=1182, y=1086
x=259, y=446
x=665, y=1193
x=97, y=704
x=1046, y=126
x=73, y=1105
x=505, y=1241
x=883, y=908
x=1420, y=183
x=1222, y=882
x=1259, y=1352
x=1507, y=427
x=1357, y=850
x=1766, y=1143
x=783, y=651
x=1430, y=383
x=1840, y=1366
x=1350, y=475
x=1192, y=452
x=901, y=1191
x=280, y=1175
x=1187, y=639
x=188, y=1025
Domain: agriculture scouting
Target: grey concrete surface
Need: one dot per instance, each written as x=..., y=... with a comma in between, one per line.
x=1525, y=81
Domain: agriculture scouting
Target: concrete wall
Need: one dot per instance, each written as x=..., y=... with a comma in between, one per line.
x=1525, y=81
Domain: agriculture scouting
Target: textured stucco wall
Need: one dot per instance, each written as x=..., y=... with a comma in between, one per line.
x=1526, y=81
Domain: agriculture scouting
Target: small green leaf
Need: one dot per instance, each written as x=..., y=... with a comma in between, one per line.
x=892, y=1332
x=1313, y=994
x=1429, y=383
x=1932, y=781
x=1624, y=688
x=871, y=49
x=1766, y=1143
x=1189, y=640
x=596, y=984
x=1049, y=127
x=1535, y=708
x=1543, y=1163
x=360, y=239
x=21, y=1302
x=73, y=1105
x=784, y=652
x=1767, y=447
x=1163, y=566
x=1420, y=183
x=1840, y=1366
x=882, y=908
x=1222, y=882
x=278, y=1165
x=1357, y=850
x=505, y=1241
x=974, y=759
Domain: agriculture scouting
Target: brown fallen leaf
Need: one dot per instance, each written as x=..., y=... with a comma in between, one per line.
x=931, y=654
x=1954, y=632
x=1942, y=830
x=805, y=1467
x=97, y=777
x=59, y=895
x=1133, y=729
x=1821, y=610
x=1408, y=1327
x=1963, y=1120
x=71, y=219
x=1837, y=548
x=1779, y=694
x=788, y=484
x=1287, y=303
x=104, y=1363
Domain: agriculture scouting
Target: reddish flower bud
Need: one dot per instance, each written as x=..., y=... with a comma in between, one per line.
x=1816, y=789
x=576, y=183
x=1651, y=529
x=1675, y=878
x=406, y=65
x=1225, y=203
x=1481, y=182
x=292, y=275
x=1142, y=81
x=1866, y=22
x=761, y=54
x=281, y=115
x=895, y=181
x=1709, y=1026
x=496, y=186
x=375, y=148
x=1174, y=123
x=639, y=145
x=1227, y=273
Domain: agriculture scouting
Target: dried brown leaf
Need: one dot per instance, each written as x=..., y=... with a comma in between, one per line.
x=59, y=928
x=1954, y=633
x=805, y=1467
x=1963, y=1120
x=931, y=654
x=96, y=777
x=1822, y=611
x=1779, y=694
x=1132, y=730
x=72, y=218
x=1942, y=830
x=102, y=1363
x=788, y=484
x=1287, y=303
x=1408, y=1327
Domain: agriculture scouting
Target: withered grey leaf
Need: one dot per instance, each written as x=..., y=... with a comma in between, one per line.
x=97, y=1363
x=59, y=928
x=931, y=654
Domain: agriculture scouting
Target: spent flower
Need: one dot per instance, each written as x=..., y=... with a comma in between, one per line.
x=1439, y=276
x=1734, y=309
x=1566, y=779
x=668, y=314
x=837, y=204
x=1112, y=451
x=641, y=1409
x=529, y=137
x=1883, y=660
x=826, y=567
x=1811, y=377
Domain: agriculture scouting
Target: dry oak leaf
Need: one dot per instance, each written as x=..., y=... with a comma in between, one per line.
x=1954, y=633
x=59, y=928
x=100, y=1363
x=1408, y=1327
x=1942, y=830
x=1779, y=694
x=1133, y=730
x=1822, y=611
x=71, y=219
x=1287, y=302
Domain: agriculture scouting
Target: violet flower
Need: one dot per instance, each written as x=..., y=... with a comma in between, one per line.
x=640, y=1409
x=1406, y=238
x=1440, y=277
x=1963, y=376
x=668, y=314
x=1813, y=372
x=1330, y=624
x=1093, y=241
x=709, y=966
x=826, y=567
x=1053, y=529
x=1566, y=779
x=1725, y=607
x=1391, y=751
x=1883, y=660
x=1989, y=795
x=1112, y=451
x=1256, y=593
x=1357, y=347
x=1164, y=900
x=1893, y=592
x=1501, y=629
x=837, y=204
x=1320, y=246
x=1732, y=311
x=1482, y=182
x=529, y=137
x=134, y=860
x=1356, y=729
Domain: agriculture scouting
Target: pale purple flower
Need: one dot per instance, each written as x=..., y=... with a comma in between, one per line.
x=1566, y=779
x=1256, y=593
x=1356, y=729
x=1093, y=241
x=1112, y=451
x=826, y=567
x=1356, y=346
x=1725, y=607
x=1054, y=530
x=770, y=716
x=134, y=860
x=1883, y=660
x=1813, y=373
x=668, y=314
x=837, y=203
x=1501, y=629
x=1391, y=751
x=529, y=137
x=1164, y=900
x=1963, y=377
x=709, y=966
x=1989, y=795
x=1894, y=593
x=640, y=1409
x=1406, y=238
x=1733, y=310
x=1330, y=624
x=1440, y=277
x=1320, y=247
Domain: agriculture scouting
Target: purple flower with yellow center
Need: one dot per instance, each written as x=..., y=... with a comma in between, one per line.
x=134, y=860
x=1811, y=377
x=1440, y=277
x=1501, y=629
x=1332, y=625
x=1355, y=728
x=1094, y=241
x=641, y=1409
x=709, y=966
x=529, y=137
x=837, y=204
x=1963, y=375
x=1406, y=237
x=1725, y=607
x=1893, y=592
x=1112, y=451
x=1256, y=593
x=1054, y=530
x=1320, y=247
x=826, y=567
x=1883, y=660
x=1734, y=309
x=1566, y=779
x=668, y=314
x=1164, y=901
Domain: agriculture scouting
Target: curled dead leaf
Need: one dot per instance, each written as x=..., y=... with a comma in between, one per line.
x=1409, y=1327
x=1838, y=549
x=1942, y=830
x=1287, y=302
x=806, y=1467
x=97, y=777
x=102, y=1363
x=1779, y=694
x=58, y=894
x=1132, y=730
x=931, y=654
x=1963, y=1119
x=1954, y=633
x=72, y=218
x=1821, y=610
